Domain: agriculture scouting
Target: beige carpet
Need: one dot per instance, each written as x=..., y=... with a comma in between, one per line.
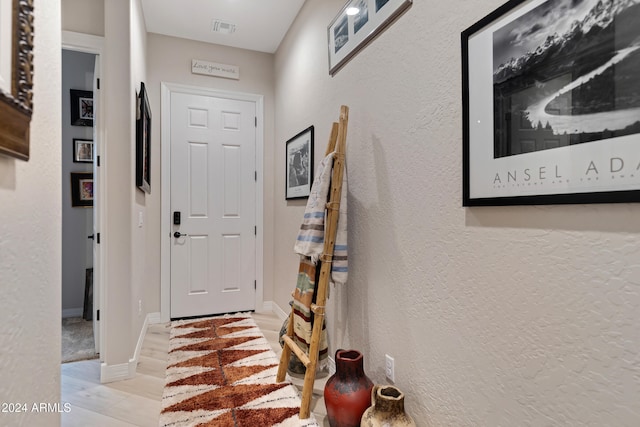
x=77, y=340
x=221, y=372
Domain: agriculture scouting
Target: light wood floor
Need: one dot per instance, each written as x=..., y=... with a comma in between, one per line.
x=137, y=402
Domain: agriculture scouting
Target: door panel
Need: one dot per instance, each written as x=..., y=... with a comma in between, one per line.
x=97, y=147
x=213, y=186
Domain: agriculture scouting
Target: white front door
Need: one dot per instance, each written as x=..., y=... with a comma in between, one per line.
x=213, y=205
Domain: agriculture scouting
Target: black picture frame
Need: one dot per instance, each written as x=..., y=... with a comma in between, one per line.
x=81, y=107
x=551, y=104
x=81, y=189
x=82, y=150
x=143, y=142
x=299, y=165
x=16, y=98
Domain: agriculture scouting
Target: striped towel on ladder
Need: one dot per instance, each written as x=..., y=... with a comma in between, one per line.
x=310, y=240
x=310, y=245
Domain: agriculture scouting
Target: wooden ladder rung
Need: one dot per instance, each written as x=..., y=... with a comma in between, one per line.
x=318, y=310
x=298, y=352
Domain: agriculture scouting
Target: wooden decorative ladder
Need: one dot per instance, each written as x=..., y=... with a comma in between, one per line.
x=337, y=143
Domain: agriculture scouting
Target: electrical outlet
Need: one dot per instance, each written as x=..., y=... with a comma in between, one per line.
x=389, y=368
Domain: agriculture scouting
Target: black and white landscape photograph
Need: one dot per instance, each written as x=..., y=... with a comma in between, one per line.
x=362, y=17
x=567, y=72
x=341, y=33
x=380, y=4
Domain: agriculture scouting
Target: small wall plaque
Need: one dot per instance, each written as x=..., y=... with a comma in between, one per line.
x=214, y=69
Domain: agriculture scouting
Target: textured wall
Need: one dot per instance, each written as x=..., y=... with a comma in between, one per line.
x=83, y=16
x=30, y=243
x=119, y=119
x=504, y=316
x=144, y=289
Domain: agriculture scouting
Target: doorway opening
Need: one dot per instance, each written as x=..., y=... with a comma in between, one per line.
x=77, y=151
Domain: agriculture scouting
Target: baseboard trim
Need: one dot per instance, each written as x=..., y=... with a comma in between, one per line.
x=112, y=373
x=273, y=307
x=125, y=371
x=72, y=312
x=154, y=318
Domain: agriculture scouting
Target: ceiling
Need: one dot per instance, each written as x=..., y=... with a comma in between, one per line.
x=259, y=24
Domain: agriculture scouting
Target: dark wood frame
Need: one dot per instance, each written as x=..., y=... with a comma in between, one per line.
x=16, y=108
x=76, y=156
x=304, y=137
x=76, y=199
x=573, y=194
x=143, y=142
x=87, y=308
x=76, y=117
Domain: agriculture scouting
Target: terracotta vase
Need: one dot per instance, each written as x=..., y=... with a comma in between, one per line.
x=347, y=393
x=387, y=409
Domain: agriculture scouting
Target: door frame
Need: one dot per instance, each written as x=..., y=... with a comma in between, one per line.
x=88, y=43
x=165, y=177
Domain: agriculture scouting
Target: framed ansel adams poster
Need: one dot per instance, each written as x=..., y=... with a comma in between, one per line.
x=551, y=103
x=299, y=174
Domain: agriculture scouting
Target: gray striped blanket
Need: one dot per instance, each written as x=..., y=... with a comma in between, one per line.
x=310, y=240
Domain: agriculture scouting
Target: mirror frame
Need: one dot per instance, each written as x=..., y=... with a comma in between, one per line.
x=16, y=108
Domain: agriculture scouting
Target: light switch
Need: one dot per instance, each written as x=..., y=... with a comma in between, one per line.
x=140, y=219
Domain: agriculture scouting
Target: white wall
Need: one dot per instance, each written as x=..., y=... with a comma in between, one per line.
x=144, y=288
x=120, y=182
x=170, y=61
x=495, y=316
x=83, y=16
x=30, y=242
x=77, y=222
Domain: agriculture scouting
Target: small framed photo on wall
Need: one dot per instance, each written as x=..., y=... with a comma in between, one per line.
x=81, y=189
x=299, y=173
x=82, y=150
x=81, y=107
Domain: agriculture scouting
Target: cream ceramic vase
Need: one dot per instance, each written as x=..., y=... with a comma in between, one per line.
x=387, y=409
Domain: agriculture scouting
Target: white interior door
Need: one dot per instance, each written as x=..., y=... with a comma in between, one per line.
x=213, y=188
x=96, y=205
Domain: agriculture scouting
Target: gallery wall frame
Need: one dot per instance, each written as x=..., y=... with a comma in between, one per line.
x=81, y=107
x=299, y=165
x=16, y=78
x=551, y=104
x=82, y=150
x=81, y=189
x=143, y=141
x=357, y=23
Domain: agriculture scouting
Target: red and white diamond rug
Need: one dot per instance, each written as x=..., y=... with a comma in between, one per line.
x=221, y=372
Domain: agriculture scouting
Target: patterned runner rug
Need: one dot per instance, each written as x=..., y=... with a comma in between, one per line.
x=222, y=372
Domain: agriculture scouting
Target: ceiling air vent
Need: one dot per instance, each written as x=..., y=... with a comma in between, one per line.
x=223, y=27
